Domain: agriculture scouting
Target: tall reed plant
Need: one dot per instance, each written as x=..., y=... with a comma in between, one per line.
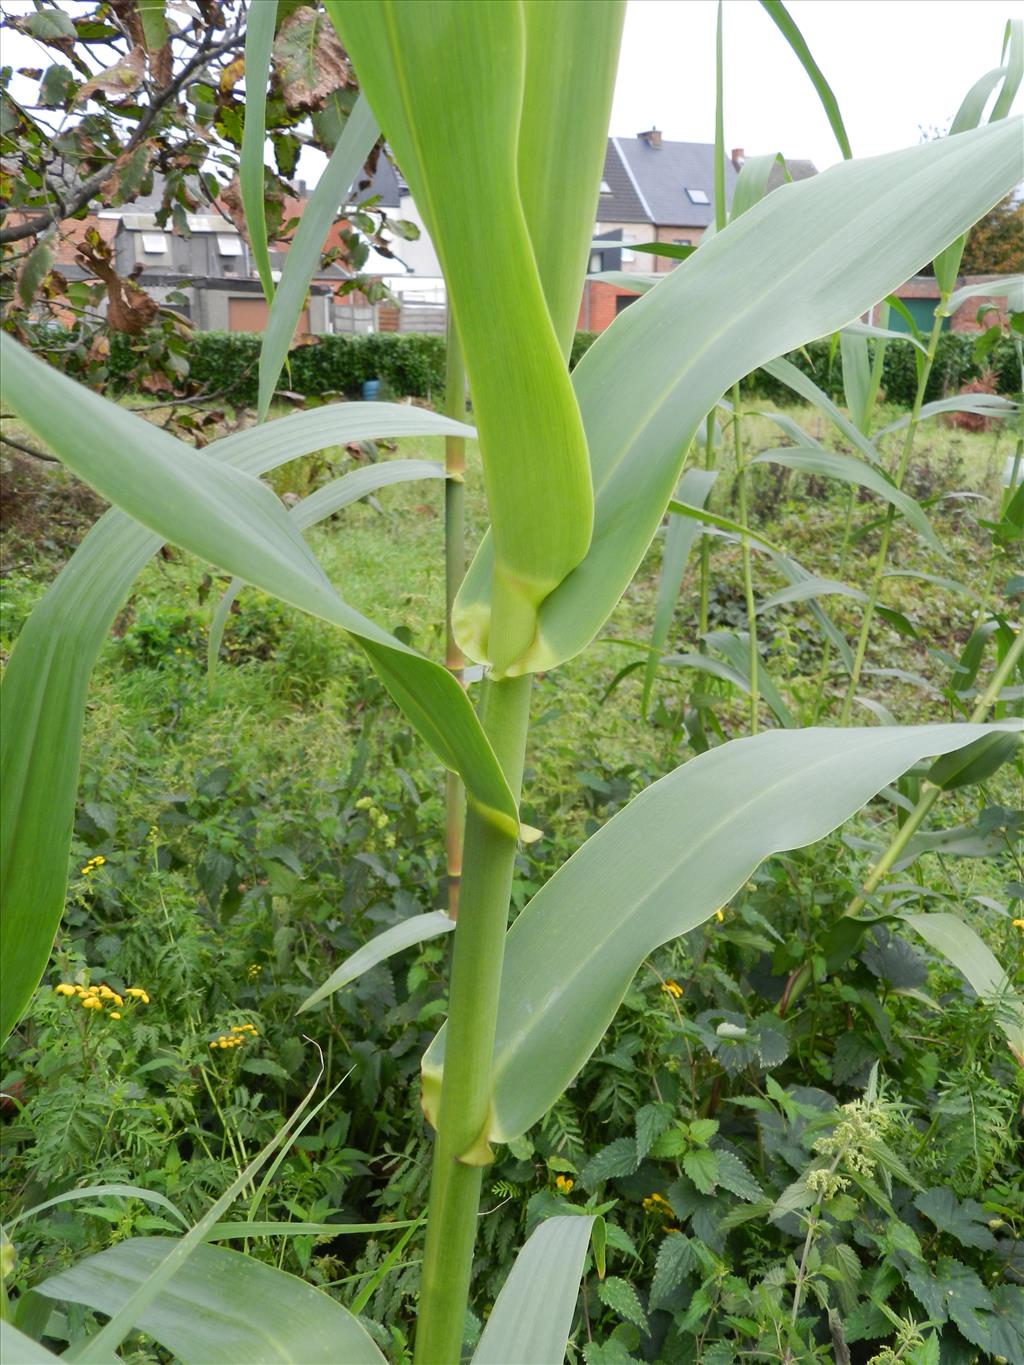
x=497, y=115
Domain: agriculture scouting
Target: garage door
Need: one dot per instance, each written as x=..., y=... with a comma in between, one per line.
x=250, y=315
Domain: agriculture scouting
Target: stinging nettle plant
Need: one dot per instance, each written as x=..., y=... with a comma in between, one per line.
x=497, y=115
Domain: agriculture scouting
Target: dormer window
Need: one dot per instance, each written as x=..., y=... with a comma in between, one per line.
x=154, y=243
x=605, y=187
x=697, y=196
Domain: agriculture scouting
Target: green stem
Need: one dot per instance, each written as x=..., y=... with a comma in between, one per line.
x=748, y=576
x=826, y=653
x=705, y=541
x=890, y=516
x=460, y=1149
x=454, y=571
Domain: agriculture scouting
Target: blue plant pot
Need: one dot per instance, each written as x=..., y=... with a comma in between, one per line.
x=371, y=388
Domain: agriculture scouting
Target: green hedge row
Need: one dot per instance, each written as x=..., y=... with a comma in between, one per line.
x=953, y=367
x=411, y=365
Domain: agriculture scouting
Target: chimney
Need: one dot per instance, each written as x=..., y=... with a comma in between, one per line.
x=652, y=137
x=738, y=158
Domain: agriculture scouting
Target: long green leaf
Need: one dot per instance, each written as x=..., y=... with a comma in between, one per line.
x=659, y=868
x=720, y=523
x=18, y=1349
x=339, y=493
x=964, y=950
x=46, y=680
x=532, y=1316
x=1006, y=286
x=349, y=155
x=467, y=173
x=787, y=373
x=694, y=487
x=784, y=23
x=416, y=929
x=742, y=299
x=259, y=41
x=812, y=587
x=736, y=648
x=100, y=1192
x=752, y=182
x=847, y=469
x=224, y=1232
x=986, y=404
x=221, y=1308
x=563, y=140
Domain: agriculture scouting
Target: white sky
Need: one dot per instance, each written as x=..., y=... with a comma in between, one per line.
x=893, y=64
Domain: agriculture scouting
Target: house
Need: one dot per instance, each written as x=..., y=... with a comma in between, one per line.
x=654, y=190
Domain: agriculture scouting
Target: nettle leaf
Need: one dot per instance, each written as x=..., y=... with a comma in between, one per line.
x=651, y=1121
x=620, y=1296
x=619, y=1158
x=703, y=1130
x=893, y=959
x=967, y=1221
x=702, y=1168
x=1006, y=1326
x=954, y=1293
x=670, y=1144
x=735, y=1176
x=674, y=1263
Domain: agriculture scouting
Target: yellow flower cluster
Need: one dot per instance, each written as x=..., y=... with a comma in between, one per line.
x=1018, y=924
x=672, y=988
x=657, y=1203
x=93, y=864
x=564, y=1184
x=238, y=1034
x=98, y=997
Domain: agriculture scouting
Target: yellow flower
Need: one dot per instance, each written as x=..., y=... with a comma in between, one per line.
x=107, y=994
x=672, y=988
x=563, y=1184
x=65, y=988
x=254, y=970
x=720, y=916
x=93, y=990
x=657, y=1203
x=114, y=1014
x=91, y=1003
x=1018, y=923
x=137, y=993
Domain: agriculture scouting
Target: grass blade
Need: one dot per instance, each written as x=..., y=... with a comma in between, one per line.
x=416, y=929
x=780, y=16
x=259, y=41
x=847, y=469
x=347, y=159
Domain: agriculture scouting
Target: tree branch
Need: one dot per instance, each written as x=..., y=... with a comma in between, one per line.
x=69, y=204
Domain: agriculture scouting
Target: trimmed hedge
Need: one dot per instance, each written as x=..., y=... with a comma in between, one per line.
x=953, y=367
x=411, y=365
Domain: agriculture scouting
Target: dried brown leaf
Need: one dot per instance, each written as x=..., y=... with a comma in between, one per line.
x=309, y=61
x=117, y=81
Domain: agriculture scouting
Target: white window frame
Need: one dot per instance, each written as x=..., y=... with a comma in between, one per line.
x=228, y=244
x=697, y=196
x=154, y=243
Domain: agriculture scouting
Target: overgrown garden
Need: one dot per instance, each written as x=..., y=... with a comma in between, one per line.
x=705, y=1042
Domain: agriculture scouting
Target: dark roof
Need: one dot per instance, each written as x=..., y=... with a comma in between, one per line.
x=798, y=170
x=661, y=176
x=622, y=204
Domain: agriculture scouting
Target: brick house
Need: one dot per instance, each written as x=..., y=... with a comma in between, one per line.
x=655, y=191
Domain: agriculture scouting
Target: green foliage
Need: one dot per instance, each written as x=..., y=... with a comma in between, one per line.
x=955, y=365
x=225, y=365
